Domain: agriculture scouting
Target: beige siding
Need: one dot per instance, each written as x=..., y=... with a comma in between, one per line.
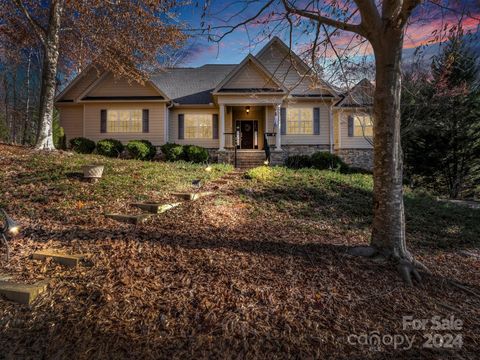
x=156, y=121
x=278, y=62
x=350, y=142
x=82, y=84
x=249, y=77
x=110, y=86
x=71, y=120
x=324, y=136
x=173, y=136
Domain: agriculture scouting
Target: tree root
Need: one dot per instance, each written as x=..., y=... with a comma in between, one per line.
x=407, y=266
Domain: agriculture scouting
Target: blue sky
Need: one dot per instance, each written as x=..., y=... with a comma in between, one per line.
x=236, y=46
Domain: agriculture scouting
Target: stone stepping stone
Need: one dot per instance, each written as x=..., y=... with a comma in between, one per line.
x=64, y=259
x=129, y=219
x=155, y=208
x=192, y=196
x=22, y=293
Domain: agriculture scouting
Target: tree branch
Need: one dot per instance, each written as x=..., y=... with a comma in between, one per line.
x=323, y=20
x=38, y=29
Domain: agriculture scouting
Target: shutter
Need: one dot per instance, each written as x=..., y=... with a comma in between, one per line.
x=103, y=121
x=145, y=124
x=350, y=126
x=283, y=121
x=215, y=126
x=181, y=126
x=316, y=121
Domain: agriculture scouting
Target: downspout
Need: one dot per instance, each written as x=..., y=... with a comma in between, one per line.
x=166, y=127
x=330, y=119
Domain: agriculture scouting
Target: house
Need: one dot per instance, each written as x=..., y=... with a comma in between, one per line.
x=270, y=101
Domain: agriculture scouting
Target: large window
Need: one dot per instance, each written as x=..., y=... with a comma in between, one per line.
x=300, y=121
x=198, y=126
x=362, y=125
x=124, y=121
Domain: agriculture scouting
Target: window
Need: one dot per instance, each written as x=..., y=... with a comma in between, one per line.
x=363, y=125
x=300, y=121
x=198, y=126
x=124, y=121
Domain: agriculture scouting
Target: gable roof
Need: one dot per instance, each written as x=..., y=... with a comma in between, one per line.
x=361, y=95
x=191, y=85
x=250, y=59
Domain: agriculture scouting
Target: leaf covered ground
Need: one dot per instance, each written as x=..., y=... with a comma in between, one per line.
x=259, y=270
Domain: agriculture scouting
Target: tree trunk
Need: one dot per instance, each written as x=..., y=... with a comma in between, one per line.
x=49, y=73
x=388, y=233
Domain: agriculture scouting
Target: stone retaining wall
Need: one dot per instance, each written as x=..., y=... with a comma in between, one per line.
x=361, y=158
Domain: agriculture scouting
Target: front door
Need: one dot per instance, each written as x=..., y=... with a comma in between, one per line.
x=247, y=131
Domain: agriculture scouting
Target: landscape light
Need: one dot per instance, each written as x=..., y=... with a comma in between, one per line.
x=9, y=228
x=208, y=168
x=265, y=163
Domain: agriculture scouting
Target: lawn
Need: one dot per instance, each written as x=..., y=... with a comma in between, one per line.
x=259, y=270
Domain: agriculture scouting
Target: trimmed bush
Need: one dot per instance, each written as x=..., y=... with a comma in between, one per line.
x=195, y=154
x=141, y=149
x=82, y=145
x=324, y=160
x=173, y=152
x=110, y=147
x=298, y=162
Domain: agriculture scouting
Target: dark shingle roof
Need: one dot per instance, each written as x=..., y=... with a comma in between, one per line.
x=191, y=85
x=361, y=95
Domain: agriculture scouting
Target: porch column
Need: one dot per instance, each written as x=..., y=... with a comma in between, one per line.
x=221, y=128
x=278, y=123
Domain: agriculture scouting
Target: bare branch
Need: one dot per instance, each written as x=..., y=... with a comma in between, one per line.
x=38, y=29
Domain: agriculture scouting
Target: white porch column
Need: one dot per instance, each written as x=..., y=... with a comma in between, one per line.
x=278, y=124
x=221, y=128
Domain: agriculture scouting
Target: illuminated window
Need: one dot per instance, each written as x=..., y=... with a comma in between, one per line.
x=300, y=121
x=362, y=125
x=198, y=126
x=124, y=121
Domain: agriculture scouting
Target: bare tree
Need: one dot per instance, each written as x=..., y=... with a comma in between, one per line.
x=381, y=26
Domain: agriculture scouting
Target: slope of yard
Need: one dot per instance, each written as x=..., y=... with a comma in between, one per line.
x=259, y=270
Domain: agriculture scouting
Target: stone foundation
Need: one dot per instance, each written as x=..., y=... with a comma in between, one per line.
x=361, y=158
x=278, y=157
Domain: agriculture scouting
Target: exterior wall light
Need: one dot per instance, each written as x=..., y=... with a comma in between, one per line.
x=9, y=229
x=247, y=109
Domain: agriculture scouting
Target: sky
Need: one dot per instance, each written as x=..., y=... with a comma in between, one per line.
x=427, y=22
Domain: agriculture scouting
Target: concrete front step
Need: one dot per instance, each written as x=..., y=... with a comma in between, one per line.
x=129, y=219
x=154, y=208
x=64, y=259
x=22, y=293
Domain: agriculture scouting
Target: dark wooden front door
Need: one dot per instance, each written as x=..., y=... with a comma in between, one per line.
x=247, y=131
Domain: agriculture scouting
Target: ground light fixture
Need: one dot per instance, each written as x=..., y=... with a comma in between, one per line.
x=9, y=229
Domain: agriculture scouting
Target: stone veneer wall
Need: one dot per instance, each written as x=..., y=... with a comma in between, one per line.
x=361, y=158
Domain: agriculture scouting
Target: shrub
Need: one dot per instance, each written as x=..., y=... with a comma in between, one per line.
x=141, y=149
x=82, y=145
x=110, y=147
x=323, y=160
x=195, y=154
x=173, y=152
x=298, y=161
x=261, y=173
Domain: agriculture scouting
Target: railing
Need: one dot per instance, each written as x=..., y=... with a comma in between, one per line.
x=267, y=145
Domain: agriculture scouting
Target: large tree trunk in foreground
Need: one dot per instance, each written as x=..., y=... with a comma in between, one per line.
x=388, y=234
x=49, y=73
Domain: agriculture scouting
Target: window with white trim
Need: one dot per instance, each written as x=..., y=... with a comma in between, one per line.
x=124, y=121
x=300, y=121
x=362, y=125
x=198, y=126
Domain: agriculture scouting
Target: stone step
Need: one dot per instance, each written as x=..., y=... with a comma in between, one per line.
x=64, y=259
x=154, y=208
x=192, y=196
x=22, y=293
x=129, y=219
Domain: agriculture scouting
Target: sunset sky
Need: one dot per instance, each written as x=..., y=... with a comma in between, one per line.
x=426, y=19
